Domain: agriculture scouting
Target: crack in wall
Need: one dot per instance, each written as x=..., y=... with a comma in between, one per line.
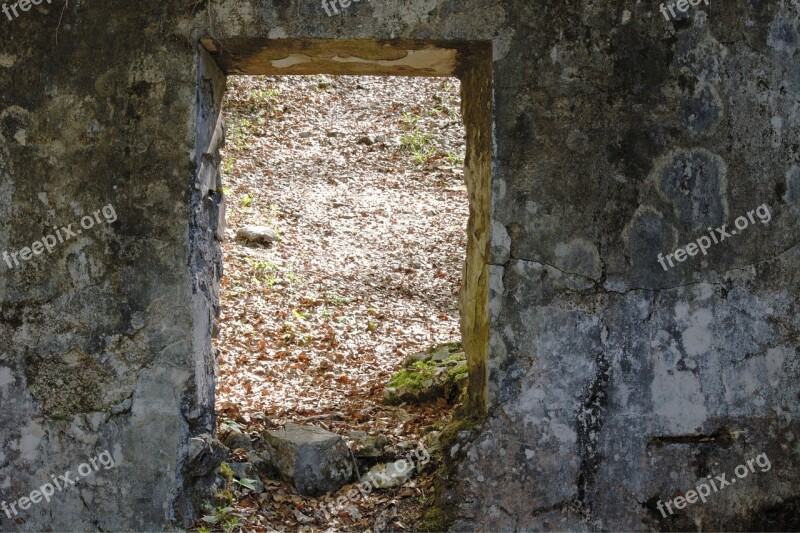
x=601, y=289
x=722, y=437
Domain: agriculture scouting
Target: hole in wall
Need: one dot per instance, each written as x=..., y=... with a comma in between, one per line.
x=472, y=65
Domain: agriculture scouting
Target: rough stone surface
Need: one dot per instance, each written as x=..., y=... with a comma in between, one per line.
x=236, y=439
x=262, y=462
x=369, y=446
x=315, y=461
x=603, y=382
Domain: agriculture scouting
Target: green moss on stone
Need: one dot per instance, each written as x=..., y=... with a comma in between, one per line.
x=436, y=519
x=413, y=377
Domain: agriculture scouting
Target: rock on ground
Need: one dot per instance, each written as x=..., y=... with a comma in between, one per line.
x=390, y=475
x=438, y=373
x=315, y=461
x=257, y=235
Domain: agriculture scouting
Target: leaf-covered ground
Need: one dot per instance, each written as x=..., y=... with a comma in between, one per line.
x=362, y=178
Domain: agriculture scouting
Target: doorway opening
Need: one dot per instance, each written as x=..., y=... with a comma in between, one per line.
x=352, y=203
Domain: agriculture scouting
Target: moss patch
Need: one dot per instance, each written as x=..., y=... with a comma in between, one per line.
x=414, y=376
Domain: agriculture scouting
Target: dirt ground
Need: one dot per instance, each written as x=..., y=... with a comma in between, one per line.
x=362, y=178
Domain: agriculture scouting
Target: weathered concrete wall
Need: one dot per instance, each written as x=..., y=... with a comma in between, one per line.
x=96, y=350
x=612, y=383
x=615, y=383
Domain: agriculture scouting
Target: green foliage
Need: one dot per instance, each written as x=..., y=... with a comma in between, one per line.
x=262, y=266
x=414, y=376
x=247, y=483
x=410, y=120
x=267, y=97
x=263, y=272
x=291, y=277
x=415, y=141
x=323, y=83
x=419, y=144
x=335, y=299
x=227, y=166
x=422, y=157
x=231, y=524
x=300, y=315
x=453, y=158
x=226, y=472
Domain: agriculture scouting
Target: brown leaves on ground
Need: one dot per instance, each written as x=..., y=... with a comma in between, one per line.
x=362, y=179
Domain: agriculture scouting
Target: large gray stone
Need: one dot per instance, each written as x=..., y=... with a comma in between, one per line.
x=315, y=461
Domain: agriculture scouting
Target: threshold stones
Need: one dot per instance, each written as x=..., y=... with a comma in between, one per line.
x=386, y=476
x=315, y=461
x=368, y=446
x=257, y=235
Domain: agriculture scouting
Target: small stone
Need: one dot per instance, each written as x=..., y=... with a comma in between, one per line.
x=380, y=139
x=370, y=447
x=204, y=456
x=122, y=407
x=354, y=513
x=390, y=475
x=441, y=354
x=454, y=450
x=305, y=134
x=303, y=519
x=417, y=357
x=257, y=235
x=366, y=140
x=236, y=439
x=241, y=470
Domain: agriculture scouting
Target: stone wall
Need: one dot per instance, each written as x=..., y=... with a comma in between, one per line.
x=611, y=384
